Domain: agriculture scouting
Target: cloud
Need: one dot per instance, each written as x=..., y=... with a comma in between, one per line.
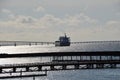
x=113, y=24
x=48, y=21
x=40, y=9
x=6, y=11
x=80, y=19
x=74, y=25
x=17, y=23
x=24, y=19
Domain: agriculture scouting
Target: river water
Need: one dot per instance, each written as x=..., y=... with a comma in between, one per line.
x=88, y=74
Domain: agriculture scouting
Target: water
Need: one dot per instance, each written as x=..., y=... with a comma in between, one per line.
x=93, y=74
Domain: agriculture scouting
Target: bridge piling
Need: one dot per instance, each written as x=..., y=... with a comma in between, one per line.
x=33, y=77
x=0, y=70
x=27, y=68
x=52, y=67
x=113, y=65
x=76, y=66
x=35, y=43
x=30, y=43
x=39, y=68
x=14, y=69
x=64, y=67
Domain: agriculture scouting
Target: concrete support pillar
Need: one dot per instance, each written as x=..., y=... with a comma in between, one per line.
x=52, y=67
x=35, y=43
x=88, y=66
x=0, y=70
x=76, y=66
x=14, y=69
x=64, y=67
x=29, y=44
x=111, y=57
x=92, y=66
x=100, y=58
x=53, y=58
x=90, y=58
x=71, y=58
x=39, y=68
x=98, y=66
x=15, y=44
x=27, y=68
x=79, y=57
x=46, y=72
x=101, y=65
x=113, y=65
x=33, y=77
x=119, y=57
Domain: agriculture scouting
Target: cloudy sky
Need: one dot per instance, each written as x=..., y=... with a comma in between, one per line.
x=46, y=20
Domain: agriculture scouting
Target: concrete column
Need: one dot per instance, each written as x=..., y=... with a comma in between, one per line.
x=52, y=67
x=29, y=44
x=39, y=68
x=90, y=58
x=53, y=58
x=64, y=67
x=76, y=66
x=46, y=72
x=97, y=65
x=102, y=65
x=80, y=57
x=27, y=68
x=0, y=70
x=76, y=58
x=71, y=58
x=62, y=58
x=33, y=77
x=100, y=58
x=90, y=66
x=15, y=44
x=35, y=43
x=119, y=57
x=14, y=69
x=113, y=65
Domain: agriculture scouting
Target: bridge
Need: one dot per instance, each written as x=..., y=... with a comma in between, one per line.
x=60, y=61
x=17, y=43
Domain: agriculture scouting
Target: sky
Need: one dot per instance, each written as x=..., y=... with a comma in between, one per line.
x=46, y=20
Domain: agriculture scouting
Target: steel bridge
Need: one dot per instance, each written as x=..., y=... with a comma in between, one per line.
x=60, y=61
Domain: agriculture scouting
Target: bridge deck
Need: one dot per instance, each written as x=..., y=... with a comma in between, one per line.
x=98, y=53
x=60, y=63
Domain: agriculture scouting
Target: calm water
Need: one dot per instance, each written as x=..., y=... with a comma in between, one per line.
x=102, y=74
x=95, y=74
